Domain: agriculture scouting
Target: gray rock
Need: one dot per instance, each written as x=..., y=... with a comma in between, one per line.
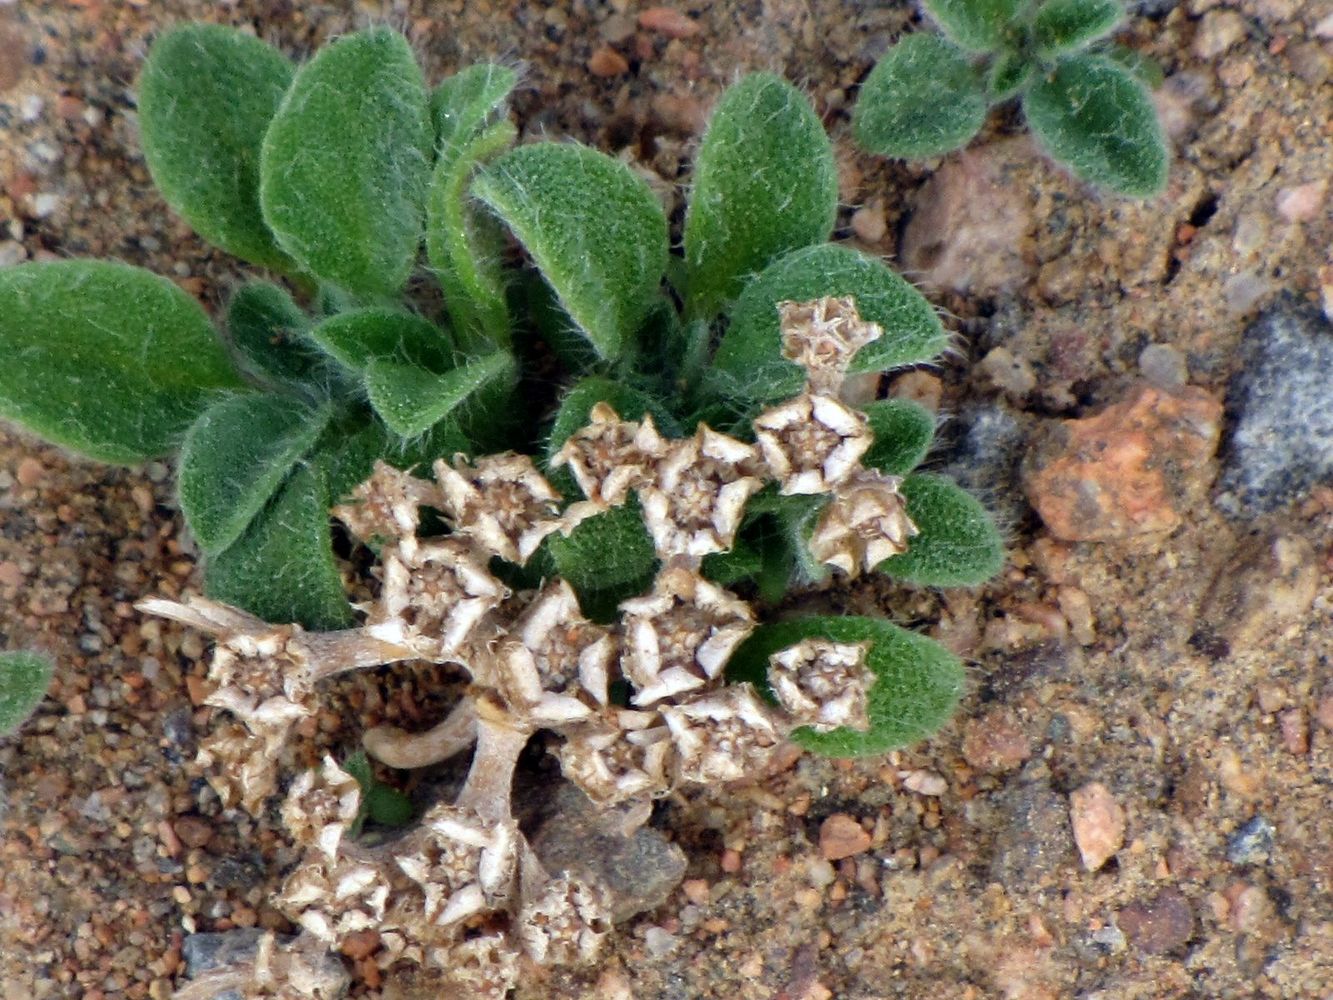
x=1252, y=843
x=204, y=953
x=640, y=870
x=1034, y=842
x=1280, y=411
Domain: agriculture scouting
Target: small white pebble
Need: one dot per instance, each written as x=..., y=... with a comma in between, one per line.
x=1324, y=29
x=659, y=941
x=30, y=108
x=45, y=204
x=1303, y=202
x=924, y=782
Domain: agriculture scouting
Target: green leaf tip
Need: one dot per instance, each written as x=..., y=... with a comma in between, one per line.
x=465, y=103
x=282, y=567
x=958, y=544
x=234, y=458
x=24, y=679
x=903, y=432
x=749, y=364
x=206, y=97
x=266, y=326
x=594, y=229
x=1063, y=25
x=411, y=400
x=923, y=98
x=1094, y=115
x=345, y=163
x=108, y=360
x=765, y=182
x=917, y=689
x=976, y=25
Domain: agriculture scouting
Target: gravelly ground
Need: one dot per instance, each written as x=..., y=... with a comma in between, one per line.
x=1188, y=670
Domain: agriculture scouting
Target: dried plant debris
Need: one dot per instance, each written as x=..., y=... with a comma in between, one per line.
x=461, y=895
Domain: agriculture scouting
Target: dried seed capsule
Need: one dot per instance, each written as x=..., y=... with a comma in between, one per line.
x=679, y=636
x=865, y=523
x=501, y=502
x=564, y=923
x=823, y=684
x=609, y=457
x=387, y=505
x=320, y=805
x=822, y=336
x=462, y=863
x=812, y=443
x=618, y=756
x=721, y=736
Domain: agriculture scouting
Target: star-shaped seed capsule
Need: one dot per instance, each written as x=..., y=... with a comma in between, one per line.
x=823, y=336
x=865, y=523
x=721, y=736
x=812, y=443
x=501, y=501
x=823, y=684
x=679, y=637
x=609, y=457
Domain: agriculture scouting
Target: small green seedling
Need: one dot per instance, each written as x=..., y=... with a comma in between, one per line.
x=1086, y=100
x=24, y=679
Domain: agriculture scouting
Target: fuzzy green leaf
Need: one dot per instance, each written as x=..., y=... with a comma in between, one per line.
x=410, y=400
x=108, y=360
x=206, y=96
x=764, y=183
x=1143, y=68
x=234, y=458
x=1093, y=115
x=903, y=431
x=606, y=559
x=466, y=103
x=923, y=98
x=1062, y=25
x=629, y=404
x=594, y=229
x=749, y=364
x=24, y=680
x=976, y=25
x=379, y=802
x=958, y=545
x=357, y=338
x=464, y=244
x=345, y=163
x=346, y=452
x=282, y=567
x=1009, y=74
x=266, y=329
x=918, y=686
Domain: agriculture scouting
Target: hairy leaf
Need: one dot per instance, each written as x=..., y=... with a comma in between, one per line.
x=1061, y=25
x=764, y=183
x=749, y=364
x=357, y=338
x=282, y=567
x=24, y=679
x=958, y=545
x=346, y=452
x=1009, y=74
x=1143, y=68
x=923, y=98
x=1093, y=115
x=266, y=329
x=380, y=802
x=977, y=25
x=105, y=359
x=410, y=399
x=594, y=229
x=234, y=458
x=206, y=96
x=345, y=163
x=903, y=431
x=465, y=244
x=917, y=689
x=606, y=559
x=464, y=104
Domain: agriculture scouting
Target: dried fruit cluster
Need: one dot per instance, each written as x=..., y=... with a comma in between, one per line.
x=462, y=893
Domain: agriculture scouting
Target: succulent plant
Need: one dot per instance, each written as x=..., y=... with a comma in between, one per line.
x=1085, y=100
x=711, y=690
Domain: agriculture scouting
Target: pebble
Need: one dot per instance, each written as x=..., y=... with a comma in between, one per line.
x=607, y=62
x=924, y=783
x=1010, y=374
x=659, y=941
x=1164, y=366
x=640, y=870
x=1132, y=468
x=1098, y=822
x=208, y=951
x=668, y=22
x=971, y=228
x=193, y=831
x=869, y=223
x=1270, y=581
x=1218, y=31
x=995, y=742
x=1159, y=925
x=1033, y=839
x=1295, y=731
x=1302, y=202
x=1280, y=409
x=1252, y=843
x=841, y=836
x=12, y=252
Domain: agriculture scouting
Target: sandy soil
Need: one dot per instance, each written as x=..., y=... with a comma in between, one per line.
x=1166, y=693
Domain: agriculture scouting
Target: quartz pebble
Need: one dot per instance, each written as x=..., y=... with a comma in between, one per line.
x=841, y=836
x=1098, y=822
